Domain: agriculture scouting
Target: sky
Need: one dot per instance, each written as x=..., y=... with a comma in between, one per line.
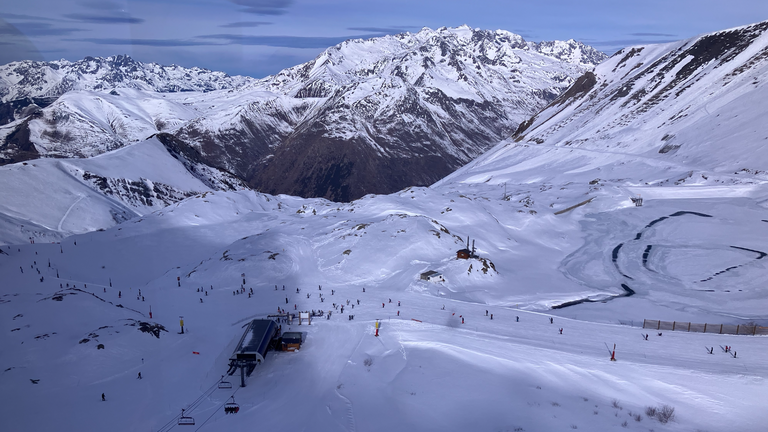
x=261, y=37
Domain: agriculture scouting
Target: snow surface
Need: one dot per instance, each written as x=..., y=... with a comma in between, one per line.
x=704, y=222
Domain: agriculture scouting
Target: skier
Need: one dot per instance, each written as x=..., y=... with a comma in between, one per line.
x=294, y=307
x=491, y=316
x=398, y=303
x=103, y=398
x=286, y=300
x=398, y=313
x=297, y=290
x=363, y=289
x=105, y=290
x=561, y=330
x=358, y=302
x=201, y=299
x=486, y=312
x=517, y=319
x=551, y=320
x=462, y=320
x=390, y=300
x=382, y=305
x=139, y=377
x=119, y=294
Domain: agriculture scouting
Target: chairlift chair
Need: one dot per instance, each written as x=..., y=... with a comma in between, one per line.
x=224, y=384
x=185, y=420
x=231, y=407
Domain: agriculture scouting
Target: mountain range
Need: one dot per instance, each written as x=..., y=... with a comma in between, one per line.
x=365, y=116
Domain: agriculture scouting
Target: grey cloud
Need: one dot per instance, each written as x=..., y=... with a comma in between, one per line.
x=104, y=19
x=652, y=34
x=143, y=42
x=627, y=42
x=40, y=29
x=286, y=41
x=385, y=30
x=243, y=24
x=16, y=46
x=14, y=16
x=264, y=7
x=102, y=5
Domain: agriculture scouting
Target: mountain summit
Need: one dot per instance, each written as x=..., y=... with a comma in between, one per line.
x=378, y=115
x=365, y=116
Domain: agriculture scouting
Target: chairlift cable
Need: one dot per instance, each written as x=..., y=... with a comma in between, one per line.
x=217, y=409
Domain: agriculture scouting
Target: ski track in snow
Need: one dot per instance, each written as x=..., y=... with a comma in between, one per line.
x=61, y=222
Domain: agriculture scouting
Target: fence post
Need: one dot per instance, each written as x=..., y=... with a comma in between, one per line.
x=674, y=323
x=721, y=329
x=754, y=330
x=737, y=329
x=658, y=326
x=705, y=327
x=689, y=327
x=643, y=322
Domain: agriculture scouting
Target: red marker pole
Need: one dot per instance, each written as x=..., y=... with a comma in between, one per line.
x=613, y=353
x=150, y=312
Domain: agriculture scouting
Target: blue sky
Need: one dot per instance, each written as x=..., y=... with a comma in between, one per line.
x=261, y=37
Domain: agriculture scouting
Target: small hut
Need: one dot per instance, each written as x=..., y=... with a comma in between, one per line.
x=291, y=341
x=432, y=276
x=466, y=253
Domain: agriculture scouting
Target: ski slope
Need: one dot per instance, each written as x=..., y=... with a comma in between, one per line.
x=431, y=374
x=560, y=245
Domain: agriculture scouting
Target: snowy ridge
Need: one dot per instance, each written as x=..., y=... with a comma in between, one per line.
x=49, y=199
x=682, y=103
x=366, y=116
x=37, y=79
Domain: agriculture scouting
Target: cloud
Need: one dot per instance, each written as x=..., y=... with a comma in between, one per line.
x=653, y=34
x=626, y=42
x=143, y=42
x=105, y=19
x=16, y=45
x=242, y=24
x=102, y=5
x=14, y=16
x=384, y=30
x=40, y=29
x=286, y=41
x=264, y=7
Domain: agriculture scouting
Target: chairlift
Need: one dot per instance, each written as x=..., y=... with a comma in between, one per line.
x=231, y=407
x=186, y=421
x=224, y=384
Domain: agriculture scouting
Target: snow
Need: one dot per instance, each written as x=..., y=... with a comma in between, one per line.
x=512, y=374
x=694, y=252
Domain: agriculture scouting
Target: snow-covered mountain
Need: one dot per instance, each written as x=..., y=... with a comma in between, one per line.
x=365, y=116
x=697, y=103
x=518, y=338
x=48, y=199
x=37, y=79
x=27, y=86
x=381, y=114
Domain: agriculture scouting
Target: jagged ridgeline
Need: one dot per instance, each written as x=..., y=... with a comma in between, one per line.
x=365, y=116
